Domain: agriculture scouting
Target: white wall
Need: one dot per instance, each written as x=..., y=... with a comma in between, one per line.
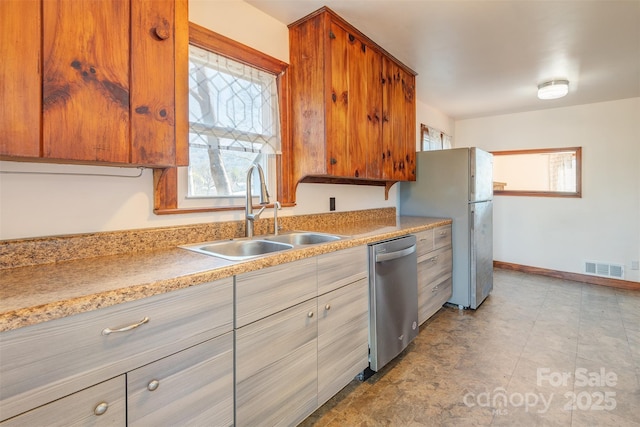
x=562, y=233
x=41, y=205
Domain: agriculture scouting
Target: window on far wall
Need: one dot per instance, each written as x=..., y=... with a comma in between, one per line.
x=554, y=172
x=433, y=139
x=233, y=123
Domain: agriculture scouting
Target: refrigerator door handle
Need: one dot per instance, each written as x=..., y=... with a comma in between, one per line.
x=473, y=187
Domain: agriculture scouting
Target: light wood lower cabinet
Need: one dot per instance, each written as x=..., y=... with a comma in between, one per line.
x=263, y=292
x=435, y=266
x=103, y=404
x=339, y=268
x=292, y=361
x=56, y=359
x=276, y=363
x=193, y=387
x=343, y=348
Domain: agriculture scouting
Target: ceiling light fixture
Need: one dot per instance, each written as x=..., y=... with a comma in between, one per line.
x=553, y=89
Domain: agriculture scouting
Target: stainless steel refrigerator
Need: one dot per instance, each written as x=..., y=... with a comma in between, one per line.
x=458, y=184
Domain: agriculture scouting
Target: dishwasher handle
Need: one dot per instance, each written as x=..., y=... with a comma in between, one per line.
x=388, y=256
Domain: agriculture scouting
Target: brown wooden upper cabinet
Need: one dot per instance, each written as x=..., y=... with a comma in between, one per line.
x=94, y=82
x=353, y=105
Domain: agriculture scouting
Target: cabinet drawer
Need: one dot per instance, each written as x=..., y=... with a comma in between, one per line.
x=276, y=368
x=79, y=409
x=442, y=237
x=44, y=362
x=264, y=292
x=343, y=337
x=336, y=269
x=433, y=297
x=434, y=265
x=193, y=387
x=424, y=242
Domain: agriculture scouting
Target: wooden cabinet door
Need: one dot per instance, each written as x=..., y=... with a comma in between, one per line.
x=338, y=135
x=343, y=337
x=192, y=387
x=373, y=116
x=153, y=81
x=20, y=77
x=354, y=119
x=409, y=114
x=398, y=132
x=276, y=367
x=85, y=87
x=88, y=81
x=100, y=405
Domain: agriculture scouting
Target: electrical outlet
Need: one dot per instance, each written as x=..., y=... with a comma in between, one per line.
x=635, y=265
x=332, y=203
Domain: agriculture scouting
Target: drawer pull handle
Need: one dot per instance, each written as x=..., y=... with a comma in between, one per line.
x=101, y=408
x=434, y=259
x=153, y=385
x=327, y=307
x=435, y=289
x=443, y=233
x=107, y=331
x=310, y=314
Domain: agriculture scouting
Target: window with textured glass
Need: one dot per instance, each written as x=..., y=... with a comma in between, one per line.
x=233, y=122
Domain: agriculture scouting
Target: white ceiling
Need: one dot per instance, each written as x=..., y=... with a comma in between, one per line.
x=480, y=57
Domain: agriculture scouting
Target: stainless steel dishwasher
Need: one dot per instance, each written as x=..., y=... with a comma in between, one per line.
x=393, y=298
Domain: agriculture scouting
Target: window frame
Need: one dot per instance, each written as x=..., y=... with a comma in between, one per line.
x=530, y=193
x=166, y=180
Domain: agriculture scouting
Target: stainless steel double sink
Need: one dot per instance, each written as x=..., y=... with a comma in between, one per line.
x=242, y=249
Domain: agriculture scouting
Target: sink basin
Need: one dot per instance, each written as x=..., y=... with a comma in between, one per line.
x=303, y=238
x=237, y=250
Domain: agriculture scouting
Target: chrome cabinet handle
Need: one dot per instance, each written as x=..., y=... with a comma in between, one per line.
x=153, y=385
x=327, y=307
x=310, y=314
x=434, y=259
x=443, y=233
x=101, y=408
x=107, y=331
x=435, y=289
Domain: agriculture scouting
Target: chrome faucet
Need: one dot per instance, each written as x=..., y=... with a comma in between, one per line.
x=250, y=217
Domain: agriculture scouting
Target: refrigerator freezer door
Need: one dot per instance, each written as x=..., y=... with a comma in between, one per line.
x=480, y=175
x=481, y=216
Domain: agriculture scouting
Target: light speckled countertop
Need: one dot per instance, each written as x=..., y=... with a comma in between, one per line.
x=34, y=294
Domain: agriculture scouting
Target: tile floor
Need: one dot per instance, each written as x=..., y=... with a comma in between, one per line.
x=538, y=352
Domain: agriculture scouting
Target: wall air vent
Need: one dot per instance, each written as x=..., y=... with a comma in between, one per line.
x=603, y=269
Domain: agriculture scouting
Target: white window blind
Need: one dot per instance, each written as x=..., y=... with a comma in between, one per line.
x=434, y=139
